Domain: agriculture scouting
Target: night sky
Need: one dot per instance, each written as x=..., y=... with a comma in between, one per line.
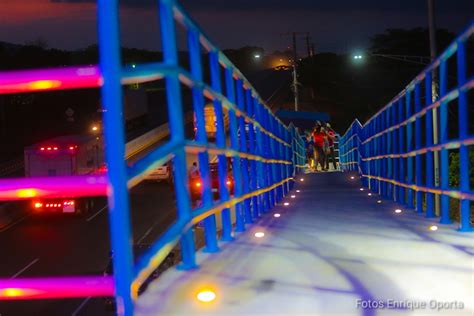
x=335, y=25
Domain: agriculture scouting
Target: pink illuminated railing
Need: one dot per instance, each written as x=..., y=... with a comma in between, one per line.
x=65, y=287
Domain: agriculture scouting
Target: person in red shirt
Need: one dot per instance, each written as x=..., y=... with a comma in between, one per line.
x=331, y=136
x=319, y=139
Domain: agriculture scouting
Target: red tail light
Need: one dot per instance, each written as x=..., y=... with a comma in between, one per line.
x=198, y=184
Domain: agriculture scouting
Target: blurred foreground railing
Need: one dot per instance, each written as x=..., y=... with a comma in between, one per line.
x=398, y=152
x=265, y=153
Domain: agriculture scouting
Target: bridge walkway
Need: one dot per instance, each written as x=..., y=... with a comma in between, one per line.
x=332, y=246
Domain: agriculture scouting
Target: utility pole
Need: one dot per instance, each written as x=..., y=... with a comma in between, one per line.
x=295, y=77
x=308, y=46
x=295, y=60
x=434, y=93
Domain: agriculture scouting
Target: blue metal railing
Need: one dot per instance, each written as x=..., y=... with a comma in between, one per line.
x=265, y=154
x=388, y=150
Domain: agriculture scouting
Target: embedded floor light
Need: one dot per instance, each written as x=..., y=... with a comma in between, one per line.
x=398, y=211
x=293, y=196
x=286, y=203
x=362, y=189
x=298, y=191
x=276, y=215
x=352, y=177
x=206, y=296
x=433, y=227
x=301, y=179
x=369, y=194
x=379, y=201
x=259, y=234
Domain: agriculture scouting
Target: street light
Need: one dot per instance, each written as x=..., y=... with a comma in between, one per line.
x=420, y=60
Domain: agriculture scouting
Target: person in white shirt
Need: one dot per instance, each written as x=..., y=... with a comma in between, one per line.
x=194, y=171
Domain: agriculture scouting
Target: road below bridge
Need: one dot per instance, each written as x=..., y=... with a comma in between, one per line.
x=67, y=245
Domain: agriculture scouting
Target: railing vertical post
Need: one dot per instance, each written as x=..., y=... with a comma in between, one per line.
x=401, y=160
x=389, y=150
x=118, y=201
x=243, y=148
x=394, y=150
x=464, y=163
x=265, y=153
x=261, y=165
x=253, y=151
x=384, y=151
x=220, y=143
x=270, y=168
x=429, y=142
x=272, y=153
x=443, y=130
x=210, y=229
x=418, y=145
x=277, y=155
x=288, y=156
x=409, y=147
x=175, y=114
x=234, y=144
x=294, y=157
x=380, y=166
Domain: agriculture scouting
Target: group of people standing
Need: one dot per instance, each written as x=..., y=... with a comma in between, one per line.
x=320, y=146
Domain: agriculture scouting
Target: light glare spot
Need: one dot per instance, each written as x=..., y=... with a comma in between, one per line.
x=25, y=193
x=206, y=296
x=259, y=234
x=44, y=84
x=12, y=292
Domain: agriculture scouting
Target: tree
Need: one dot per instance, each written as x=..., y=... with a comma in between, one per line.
x=409, y=41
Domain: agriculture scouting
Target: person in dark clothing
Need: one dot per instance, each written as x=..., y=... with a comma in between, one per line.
x=309, y=149
x=331, y=136
x=319, y=138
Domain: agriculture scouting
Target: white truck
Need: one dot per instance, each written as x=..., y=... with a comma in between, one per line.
x=64, y=156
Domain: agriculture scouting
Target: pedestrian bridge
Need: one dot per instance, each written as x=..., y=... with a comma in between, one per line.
x=392, y=227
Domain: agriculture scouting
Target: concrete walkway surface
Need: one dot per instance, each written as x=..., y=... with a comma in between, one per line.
x=333, y=251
